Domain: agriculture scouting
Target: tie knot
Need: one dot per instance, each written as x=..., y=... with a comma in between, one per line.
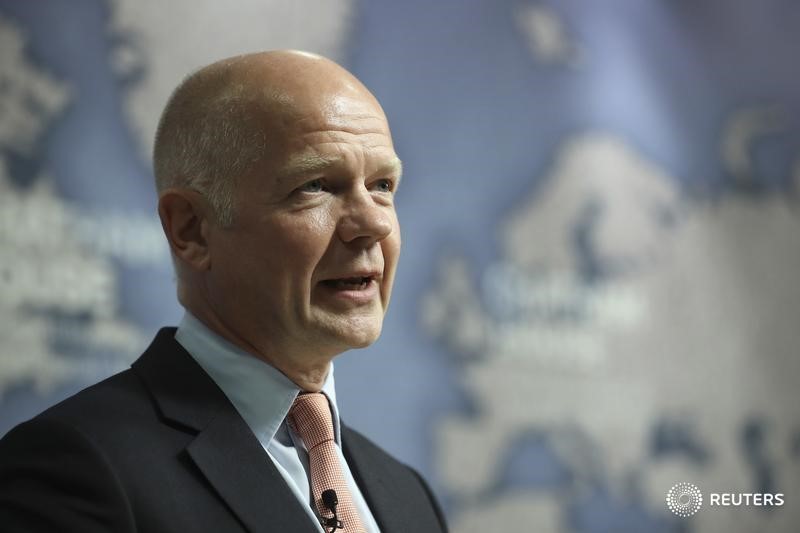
x=310, y=418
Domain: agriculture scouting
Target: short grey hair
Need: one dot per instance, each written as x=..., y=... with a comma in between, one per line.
x=208, y=136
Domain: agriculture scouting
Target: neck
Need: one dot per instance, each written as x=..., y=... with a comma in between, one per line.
x=306, y=371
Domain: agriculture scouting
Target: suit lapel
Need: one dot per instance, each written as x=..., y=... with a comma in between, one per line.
x=224, y=449
x=377, y=483
x=236, y=465
x=399, y=499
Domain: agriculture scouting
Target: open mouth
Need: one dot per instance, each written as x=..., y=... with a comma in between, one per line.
x=348, y=284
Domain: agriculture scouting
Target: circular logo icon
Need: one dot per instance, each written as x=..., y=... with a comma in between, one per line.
x=684, y=499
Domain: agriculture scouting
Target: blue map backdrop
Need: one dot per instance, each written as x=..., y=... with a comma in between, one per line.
x=597, y=297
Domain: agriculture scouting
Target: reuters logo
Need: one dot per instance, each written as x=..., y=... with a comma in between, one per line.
x=684, y=499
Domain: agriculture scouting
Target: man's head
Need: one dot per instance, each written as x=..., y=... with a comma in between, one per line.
x=276, y=176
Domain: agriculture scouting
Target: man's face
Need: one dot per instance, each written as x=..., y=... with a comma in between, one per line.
x=309, y=261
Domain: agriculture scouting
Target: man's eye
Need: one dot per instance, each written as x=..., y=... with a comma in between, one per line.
x=311, y=186
x=384, y=185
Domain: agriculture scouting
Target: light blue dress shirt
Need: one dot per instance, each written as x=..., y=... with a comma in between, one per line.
x=263, y=395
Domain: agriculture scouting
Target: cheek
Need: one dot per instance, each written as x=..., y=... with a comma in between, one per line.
x=391, y=254
x=393, y=244
x=233, y=281
x=299, y=242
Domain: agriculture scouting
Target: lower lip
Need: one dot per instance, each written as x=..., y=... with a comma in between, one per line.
x=357, y=296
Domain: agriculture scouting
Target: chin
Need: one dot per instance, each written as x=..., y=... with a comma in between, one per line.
x=361, y=333
x=363, y=343
x=343, y=331
x=364, y=339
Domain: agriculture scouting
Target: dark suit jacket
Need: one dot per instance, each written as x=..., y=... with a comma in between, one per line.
x=159, y=448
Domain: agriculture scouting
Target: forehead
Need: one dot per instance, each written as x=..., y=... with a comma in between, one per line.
x=338, y=130
x=337, y=115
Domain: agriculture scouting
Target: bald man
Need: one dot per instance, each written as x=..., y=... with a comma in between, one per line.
x=276, y=177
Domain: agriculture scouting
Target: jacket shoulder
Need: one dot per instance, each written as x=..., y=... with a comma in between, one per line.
x=118, y=399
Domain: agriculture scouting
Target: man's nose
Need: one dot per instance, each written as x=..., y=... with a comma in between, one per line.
x=365, y=220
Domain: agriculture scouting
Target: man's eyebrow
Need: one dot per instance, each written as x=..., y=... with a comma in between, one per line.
x=307, y=164
x=312, y=163
x=393, y=166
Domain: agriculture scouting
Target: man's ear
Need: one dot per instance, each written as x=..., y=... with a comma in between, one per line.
x=185, y=217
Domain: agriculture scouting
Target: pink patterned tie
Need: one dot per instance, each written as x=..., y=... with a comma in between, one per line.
x=310, y=418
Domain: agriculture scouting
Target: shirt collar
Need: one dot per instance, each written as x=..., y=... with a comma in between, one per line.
x=260, y=392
